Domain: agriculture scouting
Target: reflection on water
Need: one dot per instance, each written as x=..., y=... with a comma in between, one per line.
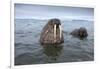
x=52, y=51
x=28, y=50
x=46, y=54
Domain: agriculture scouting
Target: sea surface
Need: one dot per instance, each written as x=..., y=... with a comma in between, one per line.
x=28, y=50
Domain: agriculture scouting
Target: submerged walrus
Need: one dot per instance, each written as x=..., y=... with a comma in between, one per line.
x=80, y=33
x=52, y=33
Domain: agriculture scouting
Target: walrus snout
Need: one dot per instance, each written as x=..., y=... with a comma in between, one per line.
x=55, y=21
x=52, y=32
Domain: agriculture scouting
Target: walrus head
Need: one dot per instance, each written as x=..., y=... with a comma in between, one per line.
x=52, y=32
x=80, y=33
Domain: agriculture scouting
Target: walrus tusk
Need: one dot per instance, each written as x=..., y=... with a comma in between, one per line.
x=55, y=31
x=60, y=30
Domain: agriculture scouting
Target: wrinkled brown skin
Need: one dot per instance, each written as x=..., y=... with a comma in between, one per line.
x=47, y=34
x=80, y=33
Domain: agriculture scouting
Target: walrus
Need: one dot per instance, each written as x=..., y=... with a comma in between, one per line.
x=80, y=33
x=52, y=32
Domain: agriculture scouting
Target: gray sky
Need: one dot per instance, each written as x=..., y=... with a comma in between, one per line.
x=47, y=12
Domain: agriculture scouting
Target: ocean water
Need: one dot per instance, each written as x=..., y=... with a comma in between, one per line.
x=28, y=50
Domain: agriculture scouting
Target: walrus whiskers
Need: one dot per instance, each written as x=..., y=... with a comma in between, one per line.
x=60, y=30
x=55, y=32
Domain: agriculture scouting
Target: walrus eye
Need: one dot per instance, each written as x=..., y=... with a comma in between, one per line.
x=55, y=31
x=60, y=30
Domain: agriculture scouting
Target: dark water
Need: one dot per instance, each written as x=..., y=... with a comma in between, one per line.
x=29, y=51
